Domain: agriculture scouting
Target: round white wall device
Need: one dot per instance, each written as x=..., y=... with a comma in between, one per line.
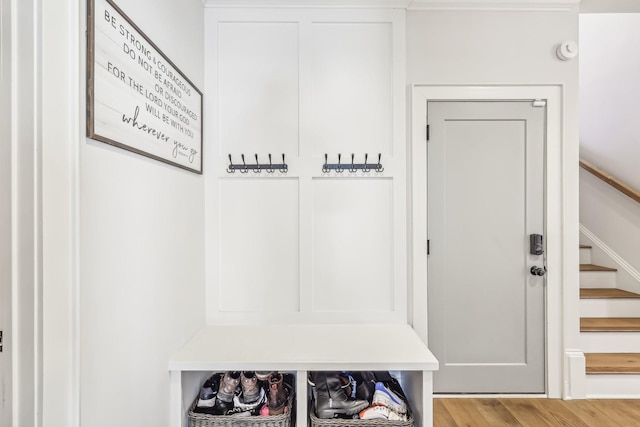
x=567, y=50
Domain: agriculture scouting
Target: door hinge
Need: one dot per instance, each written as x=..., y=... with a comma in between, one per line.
x=1, y=342
x=428, y=247
x=428, y=132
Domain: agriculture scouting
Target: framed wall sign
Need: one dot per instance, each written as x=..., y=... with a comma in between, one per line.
x=137, y=99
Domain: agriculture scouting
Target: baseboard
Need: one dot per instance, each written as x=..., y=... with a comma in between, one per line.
x=628, y=278
x=490, y=396
x=613, y=387
x=575, y=386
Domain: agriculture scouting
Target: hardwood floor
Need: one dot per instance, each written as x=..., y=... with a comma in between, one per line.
x=535, y=413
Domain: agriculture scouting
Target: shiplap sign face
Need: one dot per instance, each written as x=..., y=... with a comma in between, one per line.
x=136, y=98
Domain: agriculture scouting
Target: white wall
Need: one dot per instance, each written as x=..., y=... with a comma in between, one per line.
x=141, y=251
x=610, y=93
x=614, y=219
x=496, y=47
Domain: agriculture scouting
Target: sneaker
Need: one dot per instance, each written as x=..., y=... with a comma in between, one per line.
x=238, y=412
x=228, y=386
x=208, y=392
x=385, y=397
x=381, y=413
x=240, y=401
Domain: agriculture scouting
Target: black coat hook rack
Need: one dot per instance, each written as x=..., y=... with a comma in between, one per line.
x=257, y=167
x=352, y=167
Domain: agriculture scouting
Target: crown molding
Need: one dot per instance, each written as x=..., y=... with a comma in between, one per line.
x=609, y=6
x=503, y=5
x=519, y=5
x=323, y=4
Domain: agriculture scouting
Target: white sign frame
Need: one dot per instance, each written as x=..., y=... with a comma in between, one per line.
x=137, y=99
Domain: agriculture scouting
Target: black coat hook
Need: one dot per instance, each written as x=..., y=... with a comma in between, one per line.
x=352, y=168
x=270, y=168
x=244, y=169
x=339, y=169
x=257, y=168
x=379, y=167
x=230, y=169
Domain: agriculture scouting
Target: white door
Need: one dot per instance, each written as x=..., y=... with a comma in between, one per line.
x=485, y=197
x=5, y=212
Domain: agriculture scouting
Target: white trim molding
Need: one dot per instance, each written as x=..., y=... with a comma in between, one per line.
x=575, y=379
x=503, y=5
x=560, y=280
x=508, y=5
x=319, y=4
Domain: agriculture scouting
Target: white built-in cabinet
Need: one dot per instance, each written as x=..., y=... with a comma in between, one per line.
x=305, y=246
x=306, y=270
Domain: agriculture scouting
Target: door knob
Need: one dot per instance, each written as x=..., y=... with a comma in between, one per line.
x=538, y=271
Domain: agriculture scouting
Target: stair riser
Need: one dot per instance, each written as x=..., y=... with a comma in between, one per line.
x=597, y=279
x=610, y=342
x=585, y=255
x=618, y=307
x=610, y=386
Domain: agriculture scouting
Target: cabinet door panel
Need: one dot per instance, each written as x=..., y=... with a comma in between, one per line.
x=352, y=87
x=259, y=245
x=258, y=88
x=353, y=245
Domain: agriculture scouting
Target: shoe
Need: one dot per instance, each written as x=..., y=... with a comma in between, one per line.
x=240, y=401
x=250, y=387
x=221, y=408
x=264, y=375
x=349, y=384
x=208, y=392
x=365, y=385
x=381, y=413
x=228, y=386
x=332, y=398
x=385, y=397
x=277, y=397
x=238, y=412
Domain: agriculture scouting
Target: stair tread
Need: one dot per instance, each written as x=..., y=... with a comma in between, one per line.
x=585, y=247
x=612, y=363
x=610, y=324
x=593, y=267
x=588, y=293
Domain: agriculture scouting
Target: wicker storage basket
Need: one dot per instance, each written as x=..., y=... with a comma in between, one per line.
x=337, y=422
x=205, y=420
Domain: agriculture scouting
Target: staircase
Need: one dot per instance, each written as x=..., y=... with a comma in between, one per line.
x=609, y=332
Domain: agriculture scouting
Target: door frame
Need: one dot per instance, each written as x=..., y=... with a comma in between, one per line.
x=6, y=305
x=565, y=374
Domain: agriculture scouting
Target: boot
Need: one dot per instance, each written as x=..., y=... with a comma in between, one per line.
x=228, y=386
x=264, y=375
x=366, y=385
x=277, y=398
x=332, y=397
x=250, y=386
